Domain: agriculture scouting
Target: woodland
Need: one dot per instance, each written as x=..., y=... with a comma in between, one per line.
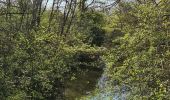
x=84, y=49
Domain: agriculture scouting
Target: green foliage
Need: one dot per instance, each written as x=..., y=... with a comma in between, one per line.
x=93, y=18
x=37, y=59
x=33, y=66
x=139, y=59
x=91, y=24
x=37, y=66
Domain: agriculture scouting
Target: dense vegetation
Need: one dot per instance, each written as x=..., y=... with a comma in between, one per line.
x=43, y=46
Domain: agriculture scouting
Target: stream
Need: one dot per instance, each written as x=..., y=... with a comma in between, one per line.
x=83, y=85
x=87, y=82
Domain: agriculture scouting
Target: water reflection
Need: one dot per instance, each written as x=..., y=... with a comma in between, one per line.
x=88, y=81
x=107, y=92
x=83, y=85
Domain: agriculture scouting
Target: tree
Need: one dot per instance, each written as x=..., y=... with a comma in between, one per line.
x=140, y=59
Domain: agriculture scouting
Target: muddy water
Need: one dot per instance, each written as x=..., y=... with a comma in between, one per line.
x=83, y=84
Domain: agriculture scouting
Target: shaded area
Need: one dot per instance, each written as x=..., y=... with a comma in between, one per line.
x=84, y=83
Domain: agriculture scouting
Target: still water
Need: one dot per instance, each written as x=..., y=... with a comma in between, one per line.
x=92, y=85
x=84, y=83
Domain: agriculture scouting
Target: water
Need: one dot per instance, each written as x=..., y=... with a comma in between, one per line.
x=87, y=82
x=83, y=85
x=106, y=93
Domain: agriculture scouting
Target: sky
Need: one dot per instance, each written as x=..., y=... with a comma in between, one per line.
x=50, y=2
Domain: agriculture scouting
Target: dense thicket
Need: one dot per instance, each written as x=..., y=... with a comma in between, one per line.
x=140, y=60
x=43, y=45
